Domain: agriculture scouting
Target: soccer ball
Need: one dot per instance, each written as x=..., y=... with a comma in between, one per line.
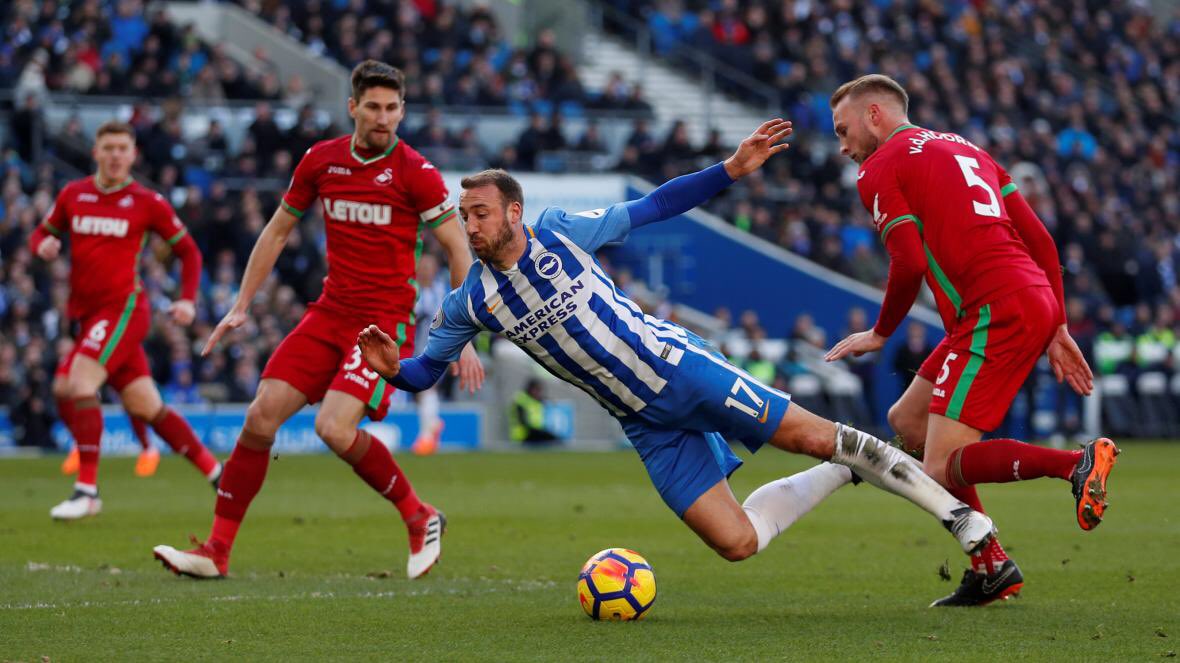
x=617, y=584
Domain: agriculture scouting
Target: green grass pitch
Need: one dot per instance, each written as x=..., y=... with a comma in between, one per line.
x=319, y=569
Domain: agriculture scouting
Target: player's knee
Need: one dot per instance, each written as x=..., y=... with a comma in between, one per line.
x=738, y=545
x=144, y=411
x=261, y=419
x=909, y=427
x=336, y=435
x=77, y=390
x=739, y=549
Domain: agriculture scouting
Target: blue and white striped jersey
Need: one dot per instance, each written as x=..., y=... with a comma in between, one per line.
x=559, y=306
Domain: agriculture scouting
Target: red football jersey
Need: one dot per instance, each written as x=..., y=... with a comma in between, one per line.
x=108, y=230
x=953, y=191
x=374, y=210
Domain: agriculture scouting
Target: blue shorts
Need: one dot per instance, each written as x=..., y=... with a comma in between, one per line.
x=681, y=435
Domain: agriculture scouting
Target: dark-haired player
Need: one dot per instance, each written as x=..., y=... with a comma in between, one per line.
x=377, y=195
x=947, y=212
x=107, y=217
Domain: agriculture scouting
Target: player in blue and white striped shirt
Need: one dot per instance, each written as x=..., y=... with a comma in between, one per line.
x=677, y=398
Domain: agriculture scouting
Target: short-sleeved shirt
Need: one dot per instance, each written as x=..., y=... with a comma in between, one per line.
x=374, y=211
x=108, y=229
x=953, y=191
x=559, y=306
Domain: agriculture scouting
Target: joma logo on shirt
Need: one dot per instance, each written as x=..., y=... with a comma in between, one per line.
x=99, y=225
x=366, y=213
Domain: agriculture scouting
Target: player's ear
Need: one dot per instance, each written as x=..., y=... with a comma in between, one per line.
x=515, y=212
x=352, y=107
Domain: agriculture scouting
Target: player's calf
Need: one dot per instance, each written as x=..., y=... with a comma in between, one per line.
x=910, y=428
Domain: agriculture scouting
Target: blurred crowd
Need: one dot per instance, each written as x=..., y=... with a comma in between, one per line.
x=120, y=48
x=452, y=55
x=1078, y=99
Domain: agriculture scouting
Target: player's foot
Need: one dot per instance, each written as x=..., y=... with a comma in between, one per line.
x=1089, y=481
x=971, y=528
x=80, y=505
x=983, y=588
x=425, y=541
x=70, y=464
x=427, y=443
x=148, y=461
x=207, y=560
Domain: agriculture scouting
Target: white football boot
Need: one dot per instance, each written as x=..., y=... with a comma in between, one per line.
x=425, y=542
x=205, y=561
x=79, y=505
x=972, y=528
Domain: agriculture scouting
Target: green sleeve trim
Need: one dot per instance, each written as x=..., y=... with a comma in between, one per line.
x=50, y=229
x=1008, y=188
x=177, y=237
x=297, y=213
x=899, y=220
x=435, y=223
x=940, y=276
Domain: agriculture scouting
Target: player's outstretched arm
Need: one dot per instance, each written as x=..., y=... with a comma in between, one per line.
x=262, y=260
x=380, y=350
x=677, y=196
x=758, y=147
x=412, y=375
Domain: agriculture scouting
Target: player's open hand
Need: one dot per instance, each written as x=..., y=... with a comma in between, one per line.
x=758, y=147
x=183, y=312
x=856, y=345
x=1068, y=363
x=379, y=350
x=231, y=321
x=469, y=370
x=49, y=248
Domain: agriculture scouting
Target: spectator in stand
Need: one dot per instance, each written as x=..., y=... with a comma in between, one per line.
x=910, y=356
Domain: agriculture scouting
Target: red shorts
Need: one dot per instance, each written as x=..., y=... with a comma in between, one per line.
x=321, y=354
x=113, y=336
x=982, y=363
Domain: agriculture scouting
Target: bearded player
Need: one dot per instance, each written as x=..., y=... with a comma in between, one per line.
x=951, y=215
x=676, y=398
x=377, y=195
x=107, y=217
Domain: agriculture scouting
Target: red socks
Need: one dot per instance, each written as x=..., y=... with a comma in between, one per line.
x=992, y=557
x=65, y=411
x=141, y=434
x=180, y=436
x=1001, y=461
x=85, y=425
x=241, y=479
x=373, y=463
